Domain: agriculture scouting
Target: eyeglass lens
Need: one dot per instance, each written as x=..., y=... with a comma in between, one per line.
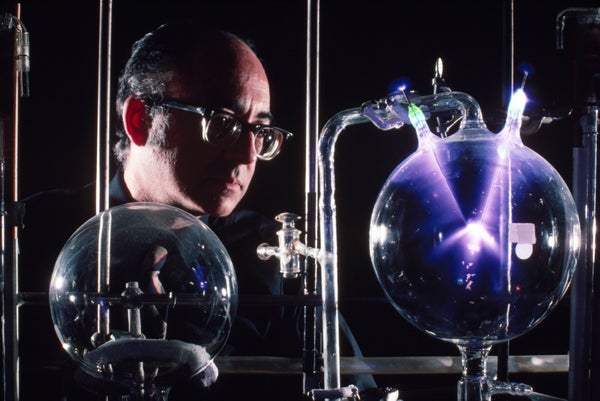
x=224, y=130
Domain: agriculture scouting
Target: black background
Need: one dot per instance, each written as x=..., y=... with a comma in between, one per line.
x=364, y=48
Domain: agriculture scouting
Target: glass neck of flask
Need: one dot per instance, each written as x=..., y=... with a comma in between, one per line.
x=474, y=385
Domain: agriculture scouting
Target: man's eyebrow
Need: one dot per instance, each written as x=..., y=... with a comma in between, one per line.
x=265, y=115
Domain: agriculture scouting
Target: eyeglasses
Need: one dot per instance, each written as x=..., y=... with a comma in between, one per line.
x=223, y=129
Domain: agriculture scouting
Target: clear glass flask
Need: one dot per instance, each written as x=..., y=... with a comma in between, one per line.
x=474, y=239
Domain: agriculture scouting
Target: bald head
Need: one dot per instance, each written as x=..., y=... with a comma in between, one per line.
x=223, y=68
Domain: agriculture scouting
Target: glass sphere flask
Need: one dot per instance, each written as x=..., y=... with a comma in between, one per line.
x=474, y=239
x=141, y=295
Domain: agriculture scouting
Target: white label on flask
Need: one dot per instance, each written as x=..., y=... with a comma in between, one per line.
x=523, y=235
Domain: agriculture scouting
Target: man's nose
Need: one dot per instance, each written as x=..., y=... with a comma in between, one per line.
x=243, y=150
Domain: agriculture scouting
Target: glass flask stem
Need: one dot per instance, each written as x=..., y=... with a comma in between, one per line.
x=475, y=385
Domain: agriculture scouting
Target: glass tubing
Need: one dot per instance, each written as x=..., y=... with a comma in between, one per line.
x=387, y=113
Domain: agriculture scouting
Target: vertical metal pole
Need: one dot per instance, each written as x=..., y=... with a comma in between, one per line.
x=508, y=47
x=102, y=156
x=503, y=349
x=311, y=362
x=10, y=267
x=103, y=104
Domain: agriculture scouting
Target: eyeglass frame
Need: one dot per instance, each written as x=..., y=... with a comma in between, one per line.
x=207, y=114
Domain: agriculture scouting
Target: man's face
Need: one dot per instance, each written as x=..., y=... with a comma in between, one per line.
x=203, y=178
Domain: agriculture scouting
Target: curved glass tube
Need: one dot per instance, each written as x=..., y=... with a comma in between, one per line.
x=328, y=253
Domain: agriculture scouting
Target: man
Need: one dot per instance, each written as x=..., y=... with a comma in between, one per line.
x=195, y=122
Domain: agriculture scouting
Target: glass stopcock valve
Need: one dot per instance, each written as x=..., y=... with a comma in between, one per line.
x=290, y=247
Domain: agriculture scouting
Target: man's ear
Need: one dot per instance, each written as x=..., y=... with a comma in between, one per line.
x=135, y=120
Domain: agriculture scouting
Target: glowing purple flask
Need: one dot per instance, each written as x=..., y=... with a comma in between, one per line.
x=474, y=237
